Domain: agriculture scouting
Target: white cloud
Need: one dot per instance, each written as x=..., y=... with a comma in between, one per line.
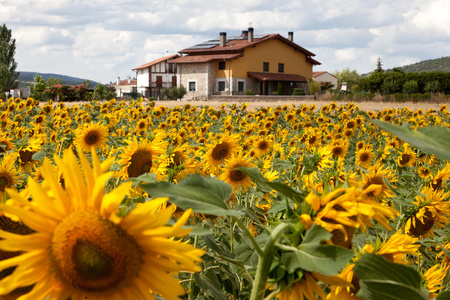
x=103, y=39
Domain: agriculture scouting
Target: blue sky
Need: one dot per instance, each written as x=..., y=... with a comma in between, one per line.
x=100, y=40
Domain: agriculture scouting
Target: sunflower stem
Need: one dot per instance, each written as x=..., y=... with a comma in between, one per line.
x=191, y=279
x=265, y=261
x=249, y=235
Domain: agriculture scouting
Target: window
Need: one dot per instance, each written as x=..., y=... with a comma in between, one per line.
x=192, y=86
x=240, y=86
x=266, y=67
x=221, y=86
x=222, y=65
x=159, y=81
x=280, y=68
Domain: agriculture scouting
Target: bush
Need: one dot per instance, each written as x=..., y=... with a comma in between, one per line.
x=410, y=86
x=298, y=92
x=174, y=93
x=249, y=92
x=279, y=89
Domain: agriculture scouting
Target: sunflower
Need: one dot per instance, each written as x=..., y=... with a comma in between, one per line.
x=26, y=153
x=236, y=178
x=378, y=174
x=9, y=176
x=437, y=181
x=262, y=146
x=307, y=286
x=433, y=210
x=434, y=278
x=141, y=157
x=395, y=248
x=5, y=144
x=406, y=158
x=339, y=148
x=81, y=249
x=221, y=151
x=92, y=135
x=364, y=157
x=341, y=211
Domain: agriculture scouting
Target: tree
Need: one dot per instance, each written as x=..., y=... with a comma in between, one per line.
x=8, y=74
x=347, y=75
x=279, y=89
x=379, y=68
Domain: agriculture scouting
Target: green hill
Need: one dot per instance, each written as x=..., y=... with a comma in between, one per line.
x=440, y=64
x=28, y=77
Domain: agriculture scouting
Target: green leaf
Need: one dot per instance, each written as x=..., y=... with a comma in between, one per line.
x=38, y=156
x=434, y=140
x=210, y=285
x=203, y=194
x=313, y=256
x=382, y=279
x=443, y=296
x=144, y=178
x=267, y=186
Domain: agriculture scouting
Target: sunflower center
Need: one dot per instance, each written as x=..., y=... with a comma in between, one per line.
x=93, y=254
x=5, y=181
x=91, y=138
x=236, y=175
x=141, y=163
x=220, y=151
x=405, y=159
x=364, y=157
x=263, y=145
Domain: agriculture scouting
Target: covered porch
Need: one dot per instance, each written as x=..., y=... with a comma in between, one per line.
x=268, y=82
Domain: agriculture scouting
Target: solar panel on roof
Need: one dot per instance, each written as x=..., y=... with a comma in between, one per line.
x=260, y=36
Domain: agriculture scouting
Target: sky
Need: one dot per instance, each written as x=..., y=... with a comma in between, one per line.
x=100, y=40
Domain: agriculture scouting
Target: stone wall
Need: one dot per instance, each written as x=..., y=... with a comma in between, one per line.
x=245, y=98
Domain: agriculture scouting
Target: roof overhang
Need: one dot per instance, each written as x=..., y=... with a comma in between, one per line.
x=266, y=77
x=190, y=59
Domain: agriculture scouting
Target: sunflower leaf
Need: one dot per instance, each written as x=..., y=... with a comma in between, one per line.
x=382, y=279
x=267, y=186
x=203, y=194
x=434, y=140
x=443, y=296
x=313, y=256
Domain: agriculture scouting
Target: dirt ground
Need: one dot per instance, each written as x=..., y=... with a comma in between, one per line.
x=366, y=106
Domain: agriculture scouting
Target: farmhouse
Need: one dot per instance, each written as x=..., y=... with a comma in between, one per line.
x=156, y=75
x=124, y=88
x=324, y=76
x=232, y=65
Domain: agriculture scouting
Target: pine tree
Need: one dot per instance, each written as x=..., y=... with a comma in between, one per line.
x=379, y=68
x=8, y=74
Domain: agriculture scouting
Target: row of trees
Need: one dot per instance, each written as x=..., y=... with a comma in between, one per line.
x=395, y=81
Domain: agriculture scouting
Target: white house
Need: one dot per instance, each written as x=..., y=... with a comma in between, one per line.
x=324, y=76
x=156, y=75
x=124, y=88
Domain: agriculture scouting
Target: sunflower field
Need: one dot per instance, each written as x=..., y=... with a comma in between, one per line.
x=130, y=200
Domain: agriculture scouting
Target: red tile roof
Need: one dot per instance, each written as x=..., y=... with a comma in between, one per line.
x=276, y=77
x=125, y=82
x=318, y=73
x=156, y=61
x=234, y=45
x=204, y=58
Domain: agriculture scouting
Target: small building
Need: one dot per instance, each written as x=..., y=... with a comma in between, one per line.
x=156, y=75
x=125, y=88
x=324, y=76
x=232, y=65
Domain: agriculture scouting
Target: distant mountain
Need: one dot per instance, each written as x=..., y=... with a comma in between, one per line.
x=440, y=64
x=28, y=77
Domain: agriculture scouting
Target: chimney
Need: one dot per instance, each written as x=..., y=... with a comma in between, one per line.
x=129, y=80
x=291, y=36
x=250, y=34
x=118, y=80
x=244, y=34
x=223, y=39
